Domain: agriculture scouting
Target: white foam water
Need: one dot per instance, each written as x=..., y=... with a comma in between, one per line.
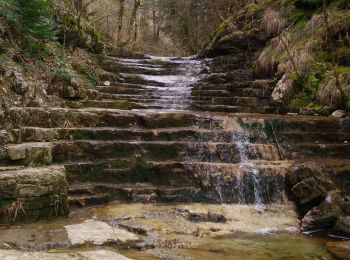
x=247, y=167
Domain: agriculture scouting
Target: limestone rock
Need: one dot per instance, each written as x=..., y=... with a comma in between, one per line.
x=310, y=189
x=343, y=225
x=31, y=153
x=339, y=114
x=340, y=249
x=98, y=233
x=87, y=255
x=284, y=89
x=308, y=184
x=19, y=85
x=33, y=193
x=326, y=214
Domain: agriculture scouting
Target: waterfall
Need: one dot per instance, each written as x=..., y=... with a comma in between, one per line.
x=176, y=93
x=247, y=169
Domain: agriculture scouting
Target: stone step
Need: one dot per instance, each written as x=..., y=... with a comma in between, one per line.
x=139, y=193
x=93, y=117
x=314, y=151
x=95, y=170
x=151, y=62
x=189, y=134
x=28, y=134
x=315, y=137
x=90, y=117
x=309, y=124
x=140, y=79
x=136, y=68
x=69, y=151
x=26, y=154
x=246, y=92
x=256, y=84
x=234, y=109
x=131, y=86
x=108, y=104
x=173, y=173
x=85, y=200
x=31, y=194
x=156, y=98
x=125, y=90
x=237, y=101
x=231, y=76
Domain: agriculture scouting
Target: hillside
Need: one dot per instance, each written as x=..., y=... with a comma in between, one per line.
x=304, y=45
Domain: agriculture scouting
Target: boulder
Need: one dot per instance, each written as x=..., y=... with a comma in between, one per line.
x=31, y=194
x=19, y=85
x=326, y=214
x=339, y=114
x=340, y=249
x=284, y=89
x=343, y=225
x=308, y=184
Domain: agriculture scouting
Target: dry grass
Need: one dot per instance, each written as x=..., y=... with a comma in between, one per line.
x=267, y=61
x=302, y=59
x=14, y=209
x=67, y=124
x=273, y=22
x=277, y=43
x=329, y=95
x=315, y=22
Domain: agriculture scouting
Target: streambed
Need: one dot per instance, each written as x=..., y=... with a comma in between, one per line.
x=156, y=231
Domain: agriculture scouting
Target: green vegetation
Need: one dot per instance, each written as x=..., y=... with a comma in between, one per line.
x=27, y=23
x=307, y=40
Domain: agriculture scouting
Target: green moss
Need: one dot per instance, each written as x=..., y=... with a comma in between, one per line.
x=344, y=70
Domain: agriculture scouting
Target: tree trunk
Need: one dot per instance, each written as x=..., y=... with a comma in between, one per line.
x=132, y=27
x=120, y=21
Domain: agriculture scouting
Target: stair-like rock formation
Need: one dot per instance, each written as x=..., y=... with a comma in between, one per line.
x=146, y=141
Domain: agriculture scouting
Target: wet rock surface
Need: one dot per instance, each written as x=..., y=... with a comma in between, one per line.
x=340, y=249
x=148, y=226
x=166, y=231
x=97, y=233
x=93, y=255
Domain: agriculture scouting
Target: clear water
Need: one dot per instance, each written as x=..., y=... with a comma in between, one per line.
x=241, y=247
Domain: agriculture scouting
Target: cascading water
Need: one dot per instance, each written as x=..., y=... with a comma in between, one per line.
x=177, y=91
x=247, y=171
x=168, y=80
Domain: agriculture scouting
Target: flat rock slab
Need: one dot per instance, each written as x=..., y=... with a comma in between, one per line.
x=90, y=255
x=98, y=233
